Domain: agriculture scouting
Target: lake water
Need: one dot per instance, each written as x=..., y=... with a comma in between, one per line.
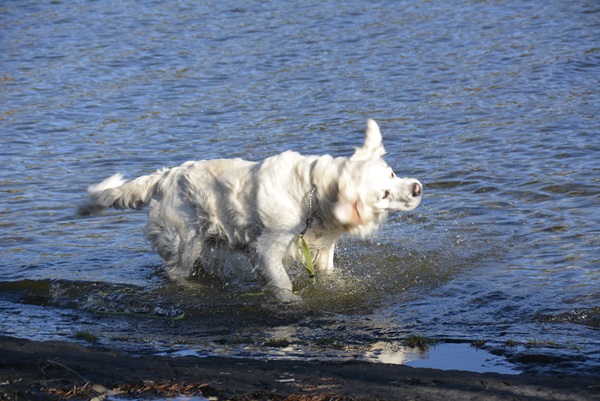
x=492, y=105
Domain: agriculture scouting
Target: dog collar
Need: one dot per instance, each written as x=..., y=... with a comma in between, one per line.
x=311, y=212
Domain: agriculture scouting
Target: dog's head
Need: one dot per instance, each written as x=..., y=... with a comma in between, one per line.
x=368, y=187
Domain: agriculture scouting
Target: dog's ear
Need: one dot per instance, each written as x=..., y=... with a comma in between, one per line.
x=349, y=213
x=372, y=148
x=349, y=208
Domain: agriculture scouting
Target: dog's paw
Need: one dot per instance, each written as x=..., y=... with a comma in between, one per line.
x=284, y=296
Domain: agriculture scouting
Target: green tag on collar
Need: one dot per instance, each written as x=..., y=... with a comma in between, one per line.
x=308, y=261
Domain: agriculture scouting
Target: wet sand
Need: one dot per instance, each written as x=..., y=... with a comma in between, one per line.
x=54, y=370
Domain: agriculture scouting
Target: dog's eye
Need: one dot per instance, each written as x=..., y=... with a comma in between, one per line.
x=386, y=194
x=393, y=175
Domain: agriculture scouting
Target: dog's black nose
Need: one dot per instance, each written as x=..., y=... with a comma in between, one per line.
x=417, y=189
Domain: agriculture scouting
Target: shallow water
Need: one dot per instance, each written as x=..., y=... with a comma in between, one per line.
x=493, y=106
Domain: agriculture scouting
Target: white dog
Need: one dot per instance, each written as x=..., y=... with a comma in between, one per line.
x=263, y=207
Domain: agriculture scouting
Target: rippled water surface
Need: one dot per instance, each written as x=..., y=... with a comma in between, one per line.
x=492, y=105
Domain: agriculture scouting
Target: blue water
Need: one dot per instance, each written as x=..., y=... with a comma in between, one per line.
x=492, y=105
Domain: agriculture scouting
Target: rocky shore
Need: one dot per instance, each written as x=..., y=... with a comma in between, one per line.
x=60, y=370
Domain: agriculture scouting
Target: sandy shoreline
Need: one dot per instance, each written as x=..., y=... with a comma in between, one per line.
x=51, y=370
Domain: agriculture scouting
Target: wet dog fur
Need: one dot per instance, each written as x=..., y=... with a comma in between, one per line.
x=261, y=207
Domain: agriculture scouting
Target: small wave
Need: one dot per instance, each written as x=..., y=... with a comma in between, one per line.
x=583, y=316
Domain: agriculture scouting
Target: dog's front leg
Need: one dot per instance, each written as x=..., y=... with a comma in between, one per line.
x=324, y=259
x=270, y=252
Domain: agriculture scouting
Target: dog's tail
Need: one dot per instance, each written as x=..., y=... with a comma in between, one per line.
x=120, y=194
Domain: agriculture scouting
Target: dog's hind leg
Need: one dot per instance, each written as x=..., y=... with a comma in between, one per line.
x=175, y=239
